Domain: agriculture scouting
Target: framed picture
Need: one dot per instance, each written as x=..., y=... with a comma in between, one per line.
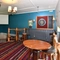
x=44, y=22
x=30, y=22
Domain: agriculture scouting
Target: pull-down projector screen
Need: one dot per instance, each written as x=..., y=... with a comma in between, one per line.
x=3, y=19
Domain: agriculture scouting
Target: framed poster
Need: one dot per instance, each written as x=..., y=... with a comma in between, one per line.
x=30, y=22
x=44, y=22
x=41, y=21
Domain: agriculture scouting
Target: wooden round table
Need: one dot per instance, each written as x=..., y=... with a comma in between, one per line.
x=36, y=44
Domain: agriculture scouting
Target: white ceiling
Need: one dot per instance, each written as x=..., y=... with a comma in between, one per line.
x=25, y=6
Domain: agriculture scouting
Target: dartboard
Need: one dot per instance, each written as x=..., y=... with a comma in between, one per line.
x=42, y=22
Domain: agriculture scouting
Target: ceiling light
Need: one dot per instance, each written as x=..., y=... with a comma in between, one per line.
x=58, y=29
x=12, y=9
x=9, y=1
x=9, y=8
x=53, y=18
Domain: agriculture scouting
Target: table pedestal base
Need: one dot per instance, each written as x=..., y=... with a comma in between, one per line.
x=38, y=55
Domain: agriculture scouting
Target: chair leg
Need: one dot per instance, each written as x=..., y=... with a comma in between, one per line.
x=51, y=56
x=55, y=56
x=59, y=56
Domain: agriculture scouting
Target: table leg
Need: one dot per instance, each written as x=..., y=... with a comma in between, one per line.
x=34, y=55
x=38, y=55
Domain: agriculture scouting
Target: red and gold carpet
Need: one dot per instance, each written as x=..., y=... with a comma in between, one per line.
x=14, y=51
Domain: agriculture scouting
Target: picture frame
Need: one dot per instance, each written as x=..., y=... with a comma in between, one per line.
x=44, y=22
x=30, y=23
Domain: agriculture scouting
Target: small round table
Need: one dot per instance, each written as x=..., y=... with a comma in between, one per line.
x=36, y=45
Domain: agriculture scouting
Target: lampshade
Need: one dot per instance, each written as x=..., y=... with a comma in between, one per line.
x=12, y=9
x=53, y=18
x=9, y=8
x=58, y=29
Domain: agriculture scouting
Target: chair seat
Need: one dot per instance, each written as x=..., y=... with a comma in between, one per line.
x=51, y=50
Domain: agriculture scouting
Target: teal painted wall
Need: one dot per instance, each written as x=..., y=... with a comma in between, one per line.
x=4, y=28
x=21, y=20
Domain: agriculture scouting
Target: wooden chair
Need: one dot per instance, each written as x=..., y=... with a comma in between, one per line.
x=58, y=50
x=52, y=52
x=23, y=35
x=16, y=35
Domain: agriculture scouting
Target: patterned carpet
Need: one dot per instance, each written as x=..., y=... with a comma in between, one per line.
x=14, y=51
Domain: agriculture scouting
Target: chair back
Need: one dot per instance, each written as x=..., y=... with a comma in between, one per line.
x=55, y=41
